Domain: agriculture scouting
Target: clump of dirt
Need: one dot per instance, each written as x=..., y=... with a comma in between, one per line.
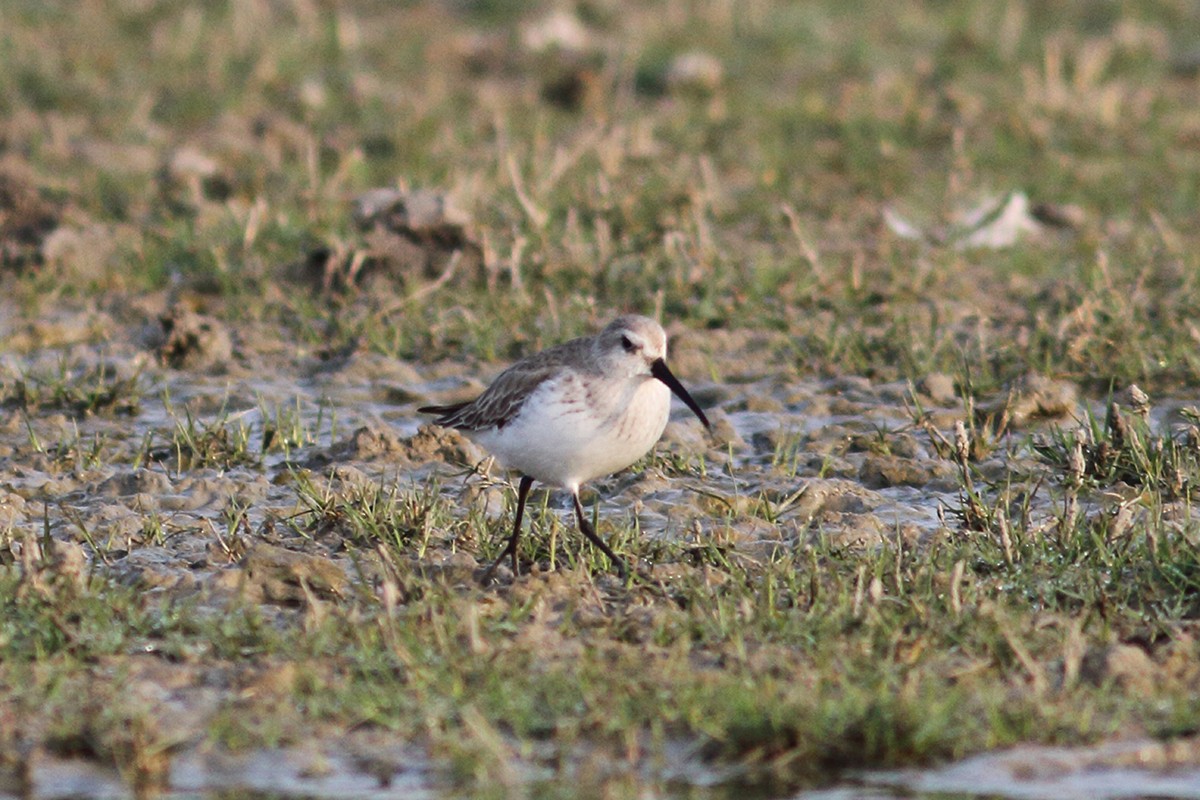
x=27, y=218
x=434, y=443
x=409, y=237
x=372, y=443
x=277, y=575
x=193, y=341
x=1126, y=664
x=881, y=471
x=189, y=178
x=48, y=562
x=1034, y=398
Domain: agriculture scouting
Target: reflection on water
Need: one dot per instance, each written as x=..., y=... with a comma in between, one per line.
x=1111, y=771
x=1114, y=771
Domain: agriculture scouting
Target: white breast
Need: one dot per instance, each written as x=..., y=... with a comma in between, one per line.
x=571, y=430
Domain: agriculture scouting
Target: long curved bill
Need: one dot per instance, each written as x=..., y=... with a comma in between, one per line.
x=659, y=370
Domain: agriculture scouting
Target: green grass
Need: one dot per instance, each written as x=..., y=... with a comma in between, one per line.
x=679, y=197
x=787, y=667
x=77, y=390
x=205, y=155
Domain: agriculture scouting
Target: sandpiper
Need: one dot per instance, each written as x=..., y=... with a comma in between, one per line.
x=586, y=408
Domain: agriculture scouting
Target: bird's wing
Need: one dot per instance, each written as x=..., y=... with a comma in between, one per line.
x=499, y=403
x=443, y=411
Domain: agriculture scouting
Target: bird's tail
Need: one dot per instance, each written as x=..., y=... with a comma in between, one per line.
x=443, y=412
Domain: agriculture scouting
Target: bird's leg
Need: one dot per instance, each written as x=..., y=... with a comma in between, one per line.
x=590, y=533
x=522, y=492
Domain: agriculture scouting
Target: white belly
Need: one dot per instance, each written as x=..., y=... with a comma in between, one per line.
x=565, y=435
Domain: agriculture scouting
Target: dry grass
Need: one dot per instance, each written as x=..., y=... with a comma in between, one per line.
x=161, y=155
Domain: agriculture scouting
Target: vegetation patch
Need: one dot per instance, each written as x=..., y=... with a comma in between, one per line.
x=932, y=272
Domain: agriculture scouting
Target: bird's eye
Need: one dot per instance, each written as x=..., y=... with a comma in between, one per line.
x=628, y=344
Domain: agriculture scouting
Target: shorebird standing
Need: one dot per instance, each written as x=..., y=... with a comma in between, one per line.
x=586, y=408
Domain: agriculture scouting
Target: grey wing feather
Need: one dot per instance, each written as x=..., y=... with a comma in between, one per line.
x=443, y=411
x=496, y=407
x=501, y=401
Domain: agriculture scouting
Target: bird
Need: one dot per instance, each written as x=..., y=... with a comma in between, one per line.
x=572, y=413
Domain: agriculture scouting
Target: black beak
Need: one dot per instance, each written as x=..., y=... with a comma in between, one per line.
x=659, y=370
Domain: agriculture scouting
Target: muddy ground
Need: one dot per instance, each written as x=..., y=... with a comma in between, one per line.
x=932, y=272
x=178, y=487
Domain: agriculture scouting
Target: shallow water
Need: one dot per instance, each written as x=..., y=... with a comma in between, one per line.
x=1115, y=771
